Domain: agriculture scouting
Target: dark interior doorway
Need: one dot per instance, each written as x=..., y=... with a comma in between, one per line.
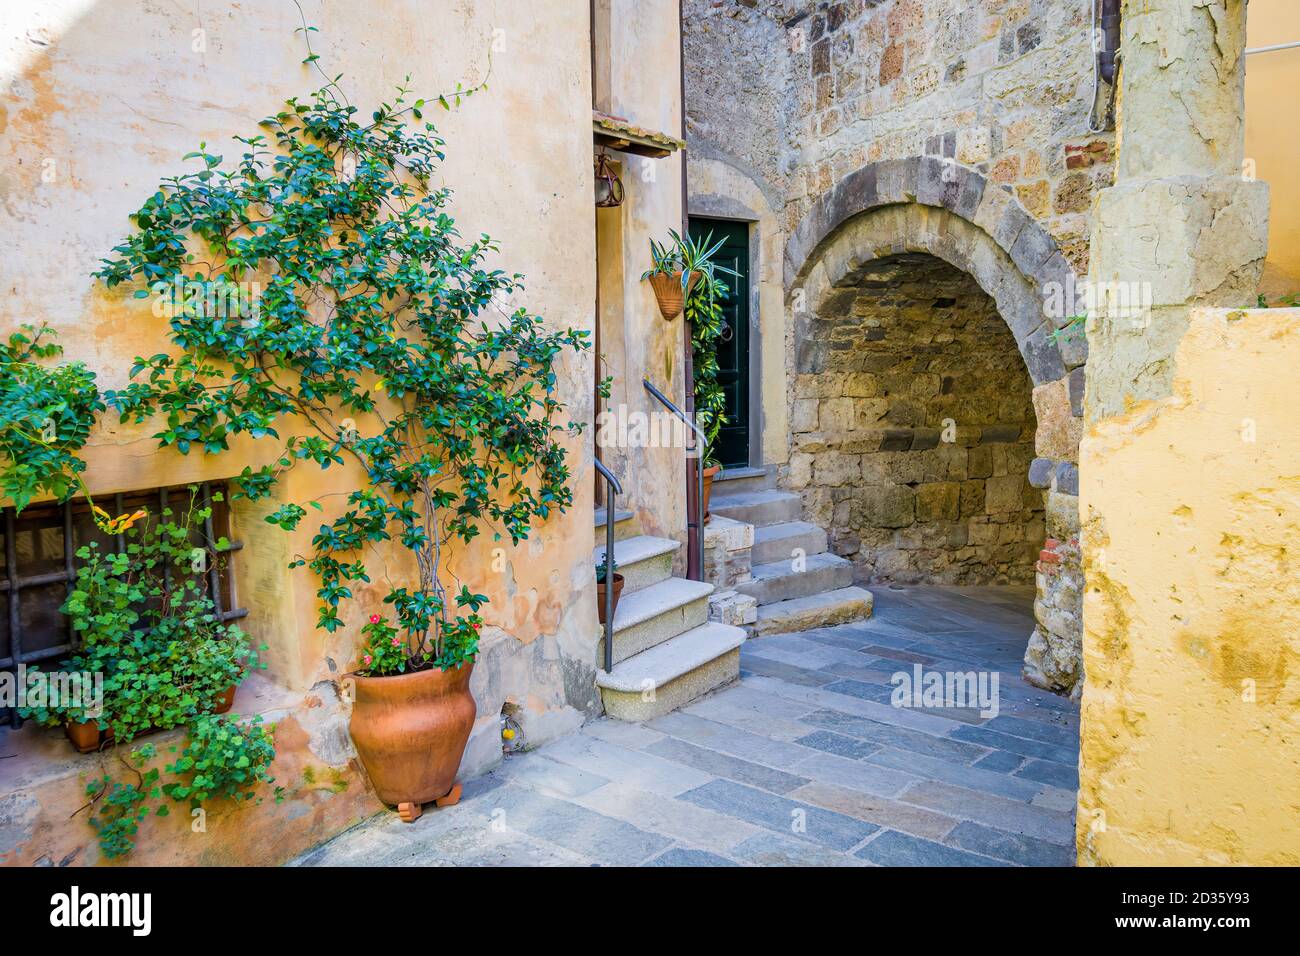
x=733, y=349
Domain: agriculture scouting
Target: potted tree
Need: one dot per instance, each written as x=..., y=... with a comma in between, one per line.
x=676, y=267
x=381, y=342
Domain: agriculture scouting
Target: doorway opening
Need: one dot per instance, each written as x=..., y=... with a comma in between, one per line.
x=732, y=448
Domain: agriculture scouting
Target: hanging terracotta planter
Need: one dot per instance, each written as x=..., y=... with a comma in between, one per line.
x=600, y=596
x=410, y=731
x=709, y=474
x=667, y=287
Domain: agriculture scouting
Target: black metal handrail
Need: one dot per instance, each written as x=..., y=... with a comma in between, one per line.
x=612, y=488
x=696, y=451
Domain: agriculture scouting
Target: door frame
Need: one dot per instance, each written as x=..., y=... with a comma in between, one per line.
x=756, y=411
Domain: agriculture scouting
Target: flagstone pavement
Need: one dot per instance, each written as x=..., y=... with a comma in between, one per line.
x=803, y=761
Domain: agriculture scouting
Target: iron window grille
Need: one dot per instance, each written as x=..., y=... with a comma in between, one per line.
x=38, y=568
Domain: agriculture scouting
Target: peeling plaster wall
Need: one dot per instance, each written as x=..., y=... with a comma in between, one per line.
x=101, y=99
x=1191, y=710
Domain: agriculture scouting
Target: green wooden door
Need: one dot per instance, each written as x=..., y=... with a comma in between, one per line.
x=733, y=348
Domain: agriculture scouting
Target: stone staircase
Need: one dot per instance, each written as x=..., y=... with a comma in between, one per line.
x=666, y=651
x=798, y=583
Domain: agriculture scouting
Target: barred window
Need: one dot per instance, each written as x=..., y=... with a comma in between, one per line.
x=38, y=566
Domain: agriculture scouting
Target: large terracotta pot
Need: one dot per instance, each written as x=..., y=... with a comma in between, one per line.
x=668, y=292
x=709, y=474
x=410, y=731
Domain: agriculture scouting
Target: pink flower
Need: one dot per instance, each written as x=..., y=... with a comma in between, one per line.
x=368, y=659
x=375, y=619
x=396, y=641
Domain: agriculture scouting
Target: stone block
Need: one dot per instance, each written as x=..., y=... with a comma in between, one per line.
x=1004, y=494
x=1075, y=386
x=1062, y=515
x=1067, y=478
x=1040, y=472
x=1059, y=430
x=938, y=502
x=804, y=415
x=889, y=506
x=1042, y=356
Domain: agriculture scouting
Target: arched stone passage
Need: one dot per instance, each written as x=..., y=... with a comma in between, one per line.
x=912, y=429
x=925, y=204
x=873, y=220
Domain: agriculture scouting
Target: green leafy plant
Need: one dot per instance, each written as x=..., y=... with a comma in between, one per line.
x=685, y=255
x=117, y=819
x=704, y=315
x=142, y=619
x=223, y=757
x=46, y=413
x=605, y=570
x=379, y=337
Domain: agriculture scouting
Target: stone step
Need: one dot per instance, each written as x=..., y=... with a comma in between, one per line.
x=733, y=481
x=770, y=506
x=779, y=581
x=643, y=560
x=672, y=674
x=655, y=614
x=841, y=606
x=625, y=525
x=777, y=542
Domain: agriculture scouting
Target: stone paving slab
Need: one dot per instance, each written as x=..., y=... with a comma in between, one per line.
x=900, y=849
x=802, y=762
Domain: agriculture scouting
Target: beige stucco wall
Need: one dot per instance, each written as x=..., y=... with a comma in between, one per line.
x=636, y=67
x=103, y=98
x=1191, y=511
x=1272, y=140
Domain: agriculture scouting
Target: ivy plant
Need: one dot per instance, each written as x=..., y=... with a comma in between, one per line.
x=46, y=413
x=142, y=619
x=379, y=337
x=704, y=319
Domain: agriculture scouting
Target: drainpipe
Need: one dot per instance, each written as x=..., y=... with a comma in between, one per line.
x=694, y=520
x=1110, y=34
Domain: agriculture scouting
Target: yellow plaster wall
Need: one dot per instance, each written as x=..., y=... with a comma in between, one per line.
x=1191, y=518
x=1272, y=136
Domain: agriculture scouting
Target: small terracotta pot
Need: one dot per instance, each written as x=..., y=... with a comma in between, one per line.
x=709, y=474
x=226, y=700
x=600, y=596
x=668, y=292
x=410, y=731
x=86, y=735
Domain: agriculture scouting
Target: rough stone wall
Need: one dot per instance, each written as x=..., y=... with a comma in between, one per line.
x=1004, y=86
x=913, y=430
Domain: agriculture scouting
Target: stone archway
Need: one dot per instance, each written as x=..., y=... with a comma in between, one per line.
x=934, y=208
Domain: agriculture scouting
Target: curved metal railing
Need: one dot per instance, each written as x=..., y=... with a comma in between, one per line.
x=697, y=452
x=612, y=488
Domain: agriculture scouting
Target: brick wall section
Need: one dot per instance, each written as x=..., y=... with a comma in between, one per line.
x=908, y=498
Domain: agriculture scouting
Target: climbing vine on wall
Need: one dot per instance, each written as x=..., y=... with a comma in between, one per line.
x=377, y=336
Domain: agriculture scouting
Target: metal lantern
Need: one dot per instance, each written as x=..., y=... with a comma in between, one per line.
x=609, y=188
